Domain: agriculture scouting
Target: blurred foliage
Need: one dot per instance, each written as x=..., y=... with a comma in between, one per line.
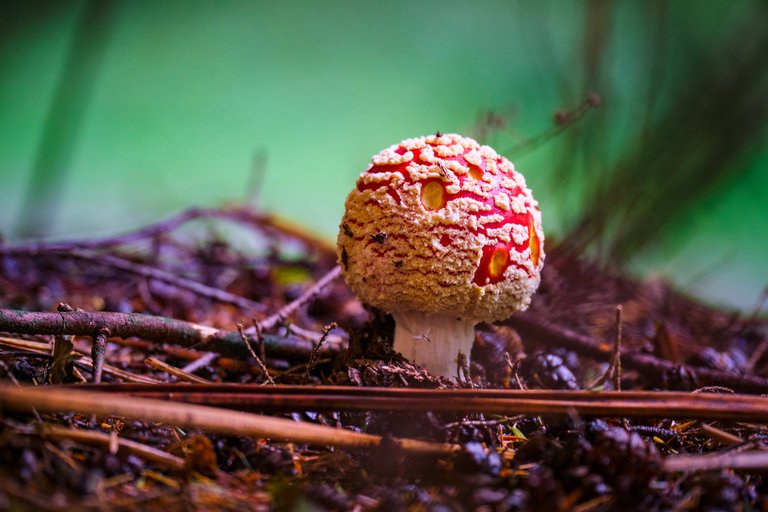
x=117, y=113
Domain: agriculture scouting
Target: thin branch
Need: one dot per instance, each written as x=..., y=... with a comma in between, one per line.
x=614, y=367
x=616, y=359
x=67, y=251
x=149, y=327
x=114, y=371
x=200, y=289
x=205, y=358
x=315, y=337
x=189, y=354
x=322, y=246
x=63, y=355
x=105, y=441
x=514, y=367
x=749, y=460
x=84, y=249
x=638, y=404
x=286, y=311
x=259, y=361
x=176, y=372
x=720, y=435
x=563, y=120
x=239, y=215
x=483, y=423
x=50, y=399
x=162, y=227
x=316, y=349
x=97, y=353
x=42, y=348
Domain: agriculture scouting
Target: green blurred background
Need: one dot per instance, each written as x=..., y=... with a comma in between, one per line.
x=116, y=114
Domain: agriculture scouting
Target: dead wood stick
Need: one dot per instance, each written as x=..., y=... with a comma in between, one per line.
x=193, y=355
x=50, y=399
x=747, y=460
x=98, y=347
x=614, y=367
x=616, y=359
x=104, y=440
x=176, y=372
x=39, y=347
x=248, y=306
x=309, y=294
x=204, y=359
x=285, y=227
x=240, y=215
x=259, y=362
x=720, y=435
x=84, y=249
x=650, y=366
x=149, y=327
x=165, y=226
x=637, y=404
x=363, y=391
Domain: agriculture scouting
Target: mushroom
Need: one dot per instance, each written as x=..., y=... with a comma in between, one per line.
x=442, y=233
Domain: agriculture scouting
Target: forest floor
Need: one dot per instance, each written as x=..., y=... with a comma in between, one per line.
x=607, y=394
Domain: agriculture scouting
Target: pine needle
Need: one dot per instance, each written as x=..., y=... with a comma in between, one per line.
x=222, y=421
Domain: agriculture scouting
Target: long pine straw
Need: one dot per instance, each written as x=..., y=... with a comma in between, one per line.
x=634, y=404
x=180, y=406
x=222, y=421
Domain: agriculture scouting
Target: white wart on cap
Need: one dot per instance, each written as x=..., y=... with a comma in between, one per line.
x=442, y=233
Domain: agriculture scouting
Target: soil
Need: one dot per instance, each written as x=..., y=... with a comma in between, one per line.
x=505, y=462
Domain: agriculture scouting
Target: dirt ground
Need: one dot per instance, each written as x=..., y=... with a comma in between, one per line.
x=221, y=268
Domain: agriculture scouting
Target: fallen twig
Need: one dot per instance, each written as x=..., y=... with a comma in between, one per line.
x=148, y=327
x=239, y=215
x=316, y=350
x=87, y=249
x=248, y=306
x=51, y=399
x=97, y=353
x=62, y=353
x=176, y=372
x=614, y=367
x=42, y=348
x=104, y=440
x=165, y=226
x=204, y=359
x=719, y=435
x=635, y=404
x=315, y=337
x=616, y=359
x=286, y=311
x=259, y=362
x=753, y=459
x=187, y=354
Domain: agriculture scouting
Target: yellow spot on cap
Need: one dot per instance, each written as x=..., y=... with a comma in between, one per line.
x=433, y=195
x=475, y=172
x=533, y=242
x=498, y=262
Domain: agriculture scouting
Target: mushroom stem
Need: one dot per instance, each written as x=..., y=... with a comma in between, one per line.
x=433, y=341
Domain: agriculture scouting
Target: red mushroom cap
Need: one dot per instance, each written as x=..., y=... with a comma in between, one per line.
x=443, y=226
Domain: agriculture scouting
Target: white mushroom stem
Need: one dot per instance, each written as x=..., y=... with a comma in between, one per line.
x=433, y=341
